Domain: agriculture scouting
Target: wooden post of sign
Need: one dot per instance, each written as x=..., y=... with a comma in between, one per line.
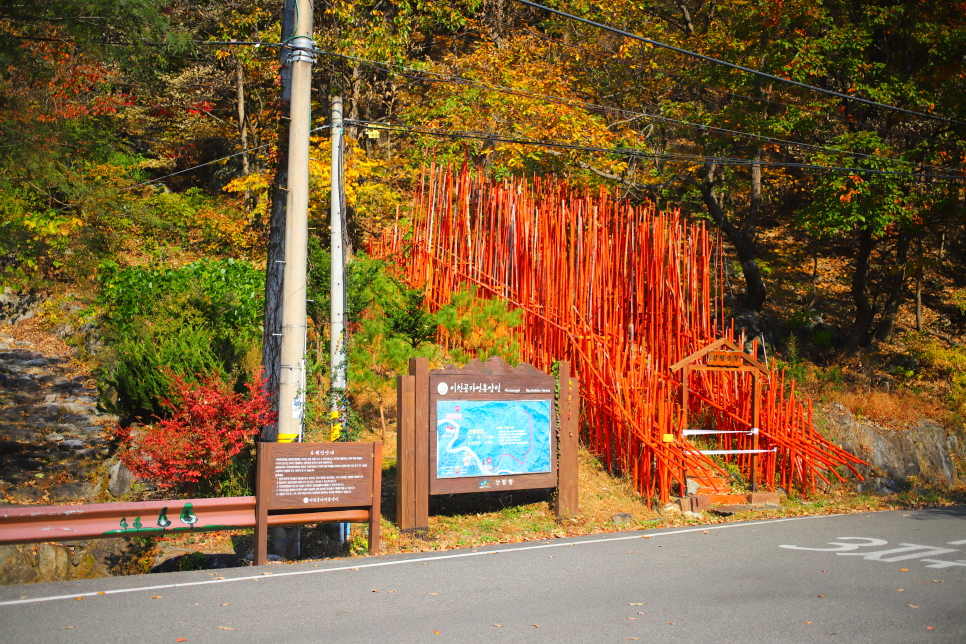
x=375, y=512
x=262, y=488
x=567, y=499
x=406, y=453
x=419, y=367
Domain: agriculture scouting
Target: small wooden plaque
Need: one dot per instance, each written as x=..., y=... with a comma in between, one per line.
x=725, y=359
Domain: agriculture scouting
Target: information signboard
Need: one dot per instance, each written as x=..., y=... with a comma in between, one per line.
x=492, y=427
x=484, y=427
x=302, y=483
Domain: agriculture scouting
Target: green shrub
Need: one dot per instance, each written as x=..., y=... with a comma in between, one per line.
x=202, y=318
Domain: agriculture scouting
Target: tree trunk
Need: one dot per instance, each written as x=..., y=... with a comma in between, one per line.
x=755, y=291
x=887, y=324
x=243, y=128
x=864, y=311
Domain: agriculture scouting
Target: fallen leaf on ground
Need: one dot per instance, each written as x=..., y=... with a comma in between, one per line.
x=227, y=628
x=900, y=590
x=903, y=570
x=181, y=639
x=268, y=573
x=77, y=599
x=807, y=623
x=640, y=613
x=671, y=623
x=499, y=625
x=375, y=591
x=824, y=571
x=911, y=606
x=155, y=596
x=821, y=595
x=435, y=632
x=632, y=638
x=64, y=628
x=705, y=532
x=937, y=581
x=929, y=628
x=100, y=592
x=535, y=625
x=632, y=604
x=227, y=604
x=214, y=578
x=631, y=618
x=434, y=593
x=646, y=537
x=25, y=597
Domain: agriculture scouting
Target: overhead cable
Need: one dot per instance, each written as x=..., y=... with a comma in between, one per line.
x=749, y=70
x=385, y=66
x=630, y=152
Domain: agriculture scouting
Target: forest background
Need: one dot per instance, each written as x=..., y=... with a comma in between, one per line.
x=139, y=141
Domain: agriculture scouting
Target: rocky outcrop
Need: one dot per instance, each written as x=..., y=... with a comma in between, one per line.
x=924, y=453
x=53, y=437
x=16, y=306
x=24, y=564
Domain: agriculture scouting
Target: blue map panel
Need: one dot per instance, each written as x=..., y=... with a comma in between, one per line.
x=492, y=437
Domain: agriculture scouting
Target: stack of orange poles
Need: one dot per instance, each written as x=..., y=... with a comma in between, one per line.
x=623, y=292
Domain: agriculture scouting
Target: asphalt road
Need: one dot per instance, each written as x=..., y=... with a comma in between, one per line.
x=878, y=577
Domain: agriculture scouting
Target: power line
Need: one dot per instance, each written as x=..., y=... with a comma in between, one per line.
x=384, y=66
x=673, y=157
x=225, y=158
x=602, y=55
x=749, y=70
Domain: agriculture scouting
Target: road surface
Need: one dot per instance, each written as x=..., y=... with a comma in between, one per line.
x=885, y=577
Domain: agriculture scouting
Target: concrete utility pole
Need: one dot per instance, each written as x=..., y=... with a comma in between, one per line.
x=292, y=381
x=337, y=285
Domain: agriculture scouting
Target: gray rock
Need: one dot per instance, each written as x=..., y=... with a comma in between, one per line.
x=757, y=326
x=49, y=398
x=54, y=438
x=119, y=479
x=53, y=562
x=37, y=362
x=693, y=487
x=26, y=494
x=25, y=384
x=16, y=565
x=688, y=514
x=68, y=492
x=10, y=447
x=925, y=451
x=622, y=518
x=76, y=408
x=72, y=443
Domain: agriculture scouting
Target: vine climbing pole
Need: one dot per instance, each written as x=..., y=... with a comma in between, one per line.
x=624, y=292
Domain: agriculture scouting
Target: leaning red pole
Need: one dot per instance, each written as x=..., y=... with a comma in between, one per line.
x=621, y=290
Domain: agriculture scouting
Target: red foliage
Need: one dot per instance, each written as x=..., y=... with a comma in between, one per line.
x=209, y=425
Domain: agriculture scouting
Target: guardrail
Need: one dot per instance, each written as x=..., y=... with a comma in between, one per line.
x=37, y=523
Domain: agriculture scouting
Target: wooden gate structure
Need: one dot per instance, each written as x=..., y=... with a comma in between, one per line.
x=624, y=292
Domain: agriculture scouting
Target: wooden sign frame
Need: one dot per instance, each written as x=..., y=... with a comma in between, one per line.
x=418, y=395
x=299, y=483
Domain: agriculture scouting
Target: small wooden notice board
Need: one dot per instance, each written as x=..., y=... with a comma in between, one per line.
x=317, y=483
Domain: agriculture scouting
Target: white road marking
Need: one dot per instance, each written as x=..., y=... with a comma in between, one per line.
x=398, y=562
